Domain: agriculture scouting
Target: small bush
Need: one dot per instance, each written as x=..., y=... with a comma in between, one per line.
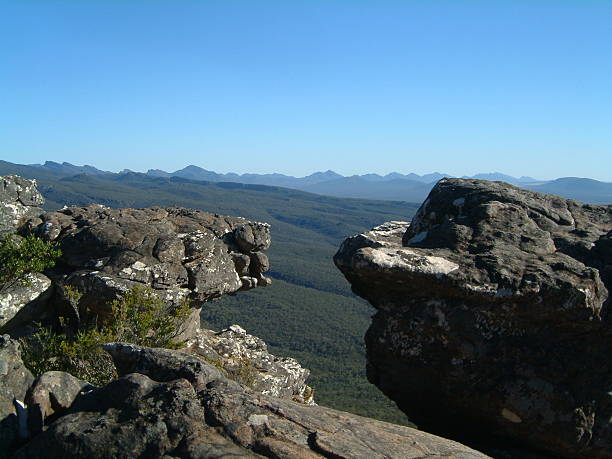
x=22, y=256
x=81, y=356
x=139, y=317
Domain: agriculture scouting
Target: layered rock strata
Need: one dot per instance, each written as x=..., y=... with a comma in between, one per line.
x=171, y=404
x=493, y=316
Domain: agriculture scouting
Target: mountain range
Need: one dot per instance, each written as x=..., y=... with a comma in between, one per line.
x=393, y=186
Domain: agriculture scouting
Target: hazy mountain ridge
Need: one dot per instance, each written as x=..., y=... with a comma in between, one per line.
x=391, y=187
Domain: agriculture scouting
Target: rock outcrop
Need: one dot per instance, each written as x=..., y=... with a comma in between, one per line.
x=171, y=404
x=19, y=200
x=246, y=358
x=493, y=316
x=179, y=253
x=24, y=302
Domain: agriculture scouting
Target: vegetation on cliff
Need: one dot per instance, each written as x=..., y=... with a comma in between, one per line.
x=309, y=311
x=138, y=317
x=22, y=256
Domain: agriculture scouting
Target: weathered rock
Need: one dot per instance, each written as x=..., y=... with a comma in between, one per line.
x=179, y=253
x=24, y=302
x=15, y=379
x=198, y=413
x=493, y=316
x=19, y=200
x=246, y=359
x=51, y=394
x=162, y=364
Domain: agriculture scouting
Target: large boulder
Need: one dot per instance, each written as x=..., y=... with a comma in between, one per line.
x=170, y=404
x=178, y=253
x=15, y=379
x=19, y=200
x=493, y=316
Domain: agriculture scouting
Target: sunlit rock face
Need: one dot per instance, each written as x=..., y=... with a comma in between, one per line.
x=179, y=253
x=246, y=358
x=19, y=200
x=493, y=316
x=20, y=302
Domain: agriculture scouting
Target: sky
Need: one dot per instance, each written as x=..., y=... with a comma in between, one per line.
x=456, y=86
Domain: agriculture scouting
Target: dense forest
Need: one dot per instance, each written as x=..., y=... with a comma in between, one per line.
x=309, y=311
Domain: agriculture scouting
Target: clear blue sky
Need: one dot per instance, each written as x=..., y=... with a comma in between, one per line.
x=521, y=87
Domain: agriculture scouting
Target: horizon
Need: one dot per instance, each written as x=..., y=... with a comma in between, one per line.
x=521, y=87
x=470, y=175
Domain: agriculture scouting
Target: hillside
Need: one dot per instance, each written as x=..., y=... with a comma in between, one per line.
x=308, y=312
x=393, y=186
x=581, y=189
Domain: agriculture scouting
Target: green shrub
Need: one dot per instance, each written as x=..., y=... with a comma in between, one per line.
x=22, y=256
x=139, y=317
x=81, y=355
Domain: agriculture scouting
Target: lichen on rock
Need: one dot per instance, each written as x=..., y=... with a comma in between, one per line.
x=246, y=359
x=179, y=253
x=493, y=317
x=19, y=200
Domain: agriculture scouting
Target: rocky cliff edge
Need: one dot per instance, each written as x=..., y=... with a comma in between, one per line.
x=493, y=319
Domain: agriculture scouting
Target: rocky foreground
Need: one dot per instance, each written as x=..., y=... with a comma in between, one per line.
x=223, y=395
x=171, y=404
x=493, y=323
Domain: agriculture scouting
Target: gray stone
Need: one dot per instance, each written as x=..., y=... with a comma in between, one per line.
x=179, y=253
x=183, y=407
x=493, y=316
x=162, y=364
x=19, y=200
x=246, y=359
x=15, y=379
x=51, y=394
x=24, y=302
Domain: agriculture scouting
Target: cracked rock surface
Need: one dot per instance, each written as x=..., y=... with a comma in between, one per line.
x=493, y=316
x=179, y=253
x=19, y=200
x=169, y=404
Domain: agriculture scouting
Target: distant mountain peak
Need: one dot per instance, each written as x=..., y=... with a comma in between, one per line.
x=328, y=173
